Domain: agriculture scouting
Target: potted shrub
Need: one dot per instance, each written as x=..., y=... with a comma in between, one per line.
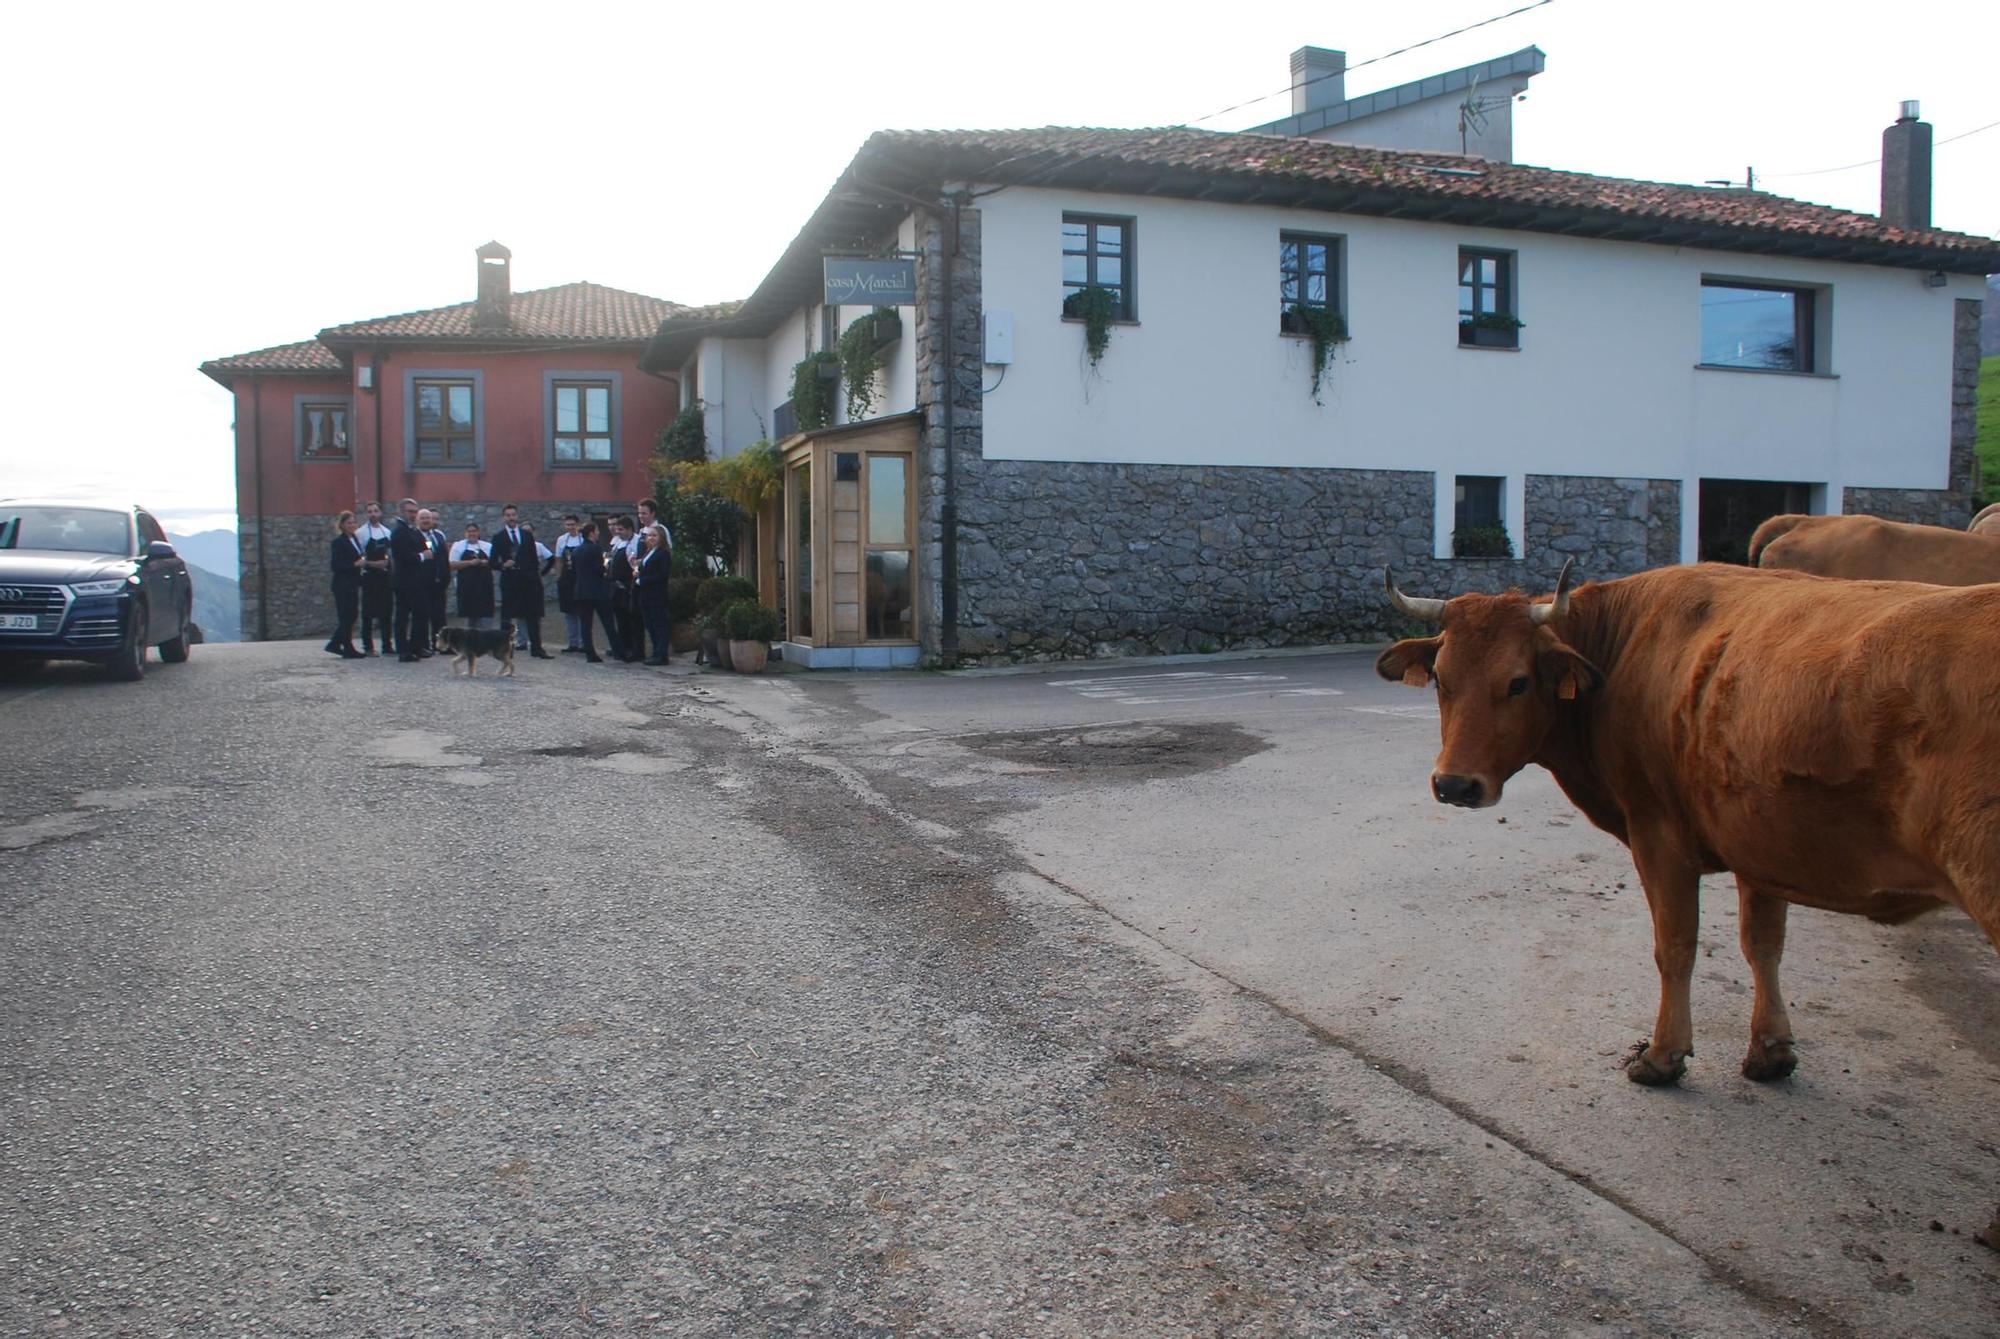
x=1491, y=330
x=682, y=594
x=888, y=326
x=1097, y=308
x=751, y=627
x=714, y=596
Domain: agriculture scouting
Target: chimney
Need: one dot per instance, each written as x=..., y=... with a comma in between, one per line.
x=1319, y=79
x=493, y=311
x=1906, y=171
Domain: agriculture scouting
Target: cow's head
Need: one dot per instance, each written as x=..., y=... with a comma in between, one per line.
x=1502, y=674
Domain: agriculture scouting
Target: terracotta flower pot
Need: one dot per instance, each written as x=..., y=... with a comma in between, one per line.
x=748, y=657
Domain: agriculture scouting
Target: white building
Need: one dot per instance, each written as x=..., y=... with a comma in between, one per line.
x=1625, y=373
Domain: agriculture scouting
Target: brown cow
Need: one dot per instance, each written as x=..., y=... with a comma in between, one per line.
x=1987, y=522
x=1866, y=548
x=1829, y=743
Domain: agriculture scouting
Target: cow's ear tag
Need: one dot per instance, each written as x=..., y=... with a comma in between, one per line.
x=1416, y=676
x=1567, y=688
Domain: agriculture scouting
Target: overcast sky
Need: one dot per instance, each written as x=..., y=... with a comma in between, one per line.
x=187, y=181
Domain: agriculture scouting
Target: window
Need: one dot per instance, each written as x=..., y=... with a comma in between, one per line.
x=581, y=432
x=320, y=427
x=1478, y=525
x=1765, y=326
x=1486, y=299
x=445, y=430
x=1097, y=253
x=1308, y=276
x=150, y=531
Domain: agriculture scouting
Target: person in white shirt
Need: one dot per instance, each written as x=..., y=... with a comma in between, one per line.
x=566, y=584
x=377, y=605
x=472, y=566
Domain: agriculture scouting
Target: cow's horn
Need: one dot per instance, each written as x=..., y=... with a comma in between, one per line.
x=1424, y=611
x=1556, y=608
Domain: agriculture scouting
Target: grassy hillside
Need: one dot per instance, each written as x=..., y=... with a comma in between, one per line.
x=1989, y=426
x=215, y=606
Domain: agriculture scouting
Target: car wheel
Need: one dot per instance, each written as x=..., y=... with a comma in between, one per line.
x=175, y=652
x=130, y=662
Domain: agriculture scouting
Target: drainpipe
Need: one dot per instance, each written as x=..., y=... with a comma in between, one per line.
x=375, y=390
x=948, y=576
x=257, y=487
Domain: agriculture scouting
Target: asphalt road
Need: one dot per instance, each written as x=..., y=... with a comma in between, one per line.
x=351, y=998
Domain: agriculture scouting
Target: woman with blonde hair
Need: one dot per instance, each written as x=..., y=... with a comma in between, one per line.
x=654, y=565
x=347, y=555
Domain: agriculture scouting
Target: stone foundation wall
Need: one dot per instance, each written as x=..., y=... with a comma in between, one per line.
x=1953, y=505
x=1079, y=560
x=296, y=595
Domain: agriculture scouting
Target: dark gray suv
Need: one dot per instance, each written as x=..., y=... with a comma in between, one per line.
x=82, y=582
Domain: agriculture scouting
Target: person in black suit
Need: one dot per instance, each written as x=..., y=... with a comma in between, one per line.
x=518, y=559
x=413, y=564
x=349, y=556
x=378, y=608
x=621, y=571
x=654, y=569
x=593, y=594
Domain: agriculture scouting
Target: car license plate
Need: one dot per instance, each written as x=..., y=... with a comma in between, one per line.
x=18, y=623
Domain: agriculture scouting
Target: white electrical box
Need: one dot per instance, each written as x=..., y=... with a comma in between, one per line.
x=364, y=377
x=999, y=338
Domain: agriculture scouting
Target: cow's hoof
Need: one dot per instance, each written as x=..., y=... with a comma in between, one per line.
x=1770, y=1058
x=1642, y=1066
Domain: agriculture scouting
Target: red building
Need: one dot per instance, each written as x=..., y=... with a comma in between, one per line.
x=533, y=398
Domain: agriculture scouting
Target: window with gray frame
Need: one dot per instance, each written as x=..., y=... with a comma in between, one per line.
x=1308, y=277
x=1766, y=326
x=322, y=430
x=446, y=429
x=581, y=432
x=1097, y=253
x=1486, y=298
x=1479, y=526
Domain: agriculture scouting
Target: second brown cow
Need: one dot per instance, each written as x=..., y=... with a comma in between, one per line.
x=1866, y=548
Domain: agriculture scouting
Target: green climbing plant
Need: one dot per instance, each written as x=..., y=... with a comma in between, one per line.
x=1326, y=328
x=860, y=361
x=812, y=390
x=1096, y=307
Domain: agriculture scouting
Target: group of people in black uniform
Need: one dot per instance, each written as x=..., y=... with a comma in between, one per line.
x=398, y=579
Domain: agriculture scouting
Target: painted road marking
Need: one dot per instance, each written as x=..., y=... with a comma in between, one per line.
x=1148, y=690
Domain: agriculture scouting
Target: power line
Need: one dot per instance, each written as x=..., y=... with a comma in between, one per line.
x=1372, y=60
x=1870, y=162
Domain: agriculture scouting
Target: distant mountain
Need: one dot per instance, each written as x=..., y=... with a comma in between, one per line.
x=218, y=605
x=212, y=549
x=1989, y=319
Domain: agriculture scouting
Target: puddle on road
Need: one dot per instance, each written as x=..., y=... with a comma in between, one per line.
x=1125, y=752
x=421, y=748
x=83, y=814
x=610, y=709
x=638, y=764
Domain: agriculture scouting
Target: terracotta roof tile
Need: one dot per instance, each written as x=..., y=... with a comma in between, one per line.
x=1178, y=155
x=583, y=312
x=306, y=356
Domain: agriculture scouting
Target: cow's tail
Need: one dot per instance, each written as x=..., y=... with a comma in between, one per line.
x=1772, y=529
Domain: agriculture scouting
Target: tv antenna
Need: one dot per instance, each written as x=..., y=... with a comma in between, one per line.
x=1749, y=182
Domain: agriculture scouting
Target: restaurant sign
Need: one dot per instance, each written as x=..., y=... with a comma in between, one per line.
x=854, y=281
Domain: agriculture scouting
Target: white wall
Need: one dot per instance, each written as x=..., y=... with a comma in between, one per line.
x=1604, y=382
x=1431, y=126
x=756, y=374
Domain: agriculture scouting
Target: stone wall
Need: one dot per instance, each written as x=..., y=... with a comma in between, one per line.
x=1079, y=560
x=1953, y=505
x=296, y=594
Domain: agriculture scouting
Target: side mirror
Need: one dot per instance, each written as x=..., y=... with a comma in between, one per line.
x=159, y=549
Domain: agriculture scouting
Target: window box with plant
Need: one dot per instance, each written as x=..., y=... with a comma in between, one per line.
x=1325, y=328
x=1490, y=330
x=751, y=628
x=1481, y=541
x=1097, y=277
x=813, y=378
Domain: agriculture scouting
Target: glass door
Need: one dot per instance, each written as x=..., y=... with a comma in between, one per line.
x=799, y=588
x=890, y=590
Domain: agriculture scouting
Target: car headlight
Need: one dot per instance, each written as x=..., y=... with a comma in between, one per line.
x=104, y=587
